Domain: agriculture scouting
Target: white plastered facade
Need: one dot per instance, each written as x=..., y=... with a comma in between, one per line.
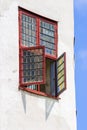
x=21, y=110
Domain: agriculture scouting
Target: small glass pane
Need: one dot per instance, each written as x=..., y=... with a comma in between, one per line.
x=47, y=37
x=28, y=31
x=33, y=65
x=33, y=87
x=23, y=17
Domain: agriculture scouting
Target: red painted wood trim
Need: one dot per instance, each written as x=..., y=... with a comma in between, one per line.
x=38, y=93
x=36, y=15
x=21, y=47
x=20, y=67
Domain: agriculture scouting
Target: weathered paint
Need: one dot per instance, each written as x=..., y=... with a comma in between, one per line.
x=21, y=110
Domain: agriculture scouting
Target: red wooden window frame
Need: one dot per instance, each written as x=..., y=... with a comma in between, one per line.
x=38, y=19
x=21, y=65
x=37, y=45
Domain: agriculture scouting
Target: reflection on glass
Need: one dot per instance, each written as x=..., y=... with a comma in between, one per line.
x=33, y=87
x=28, y=30
x=32, y=65
x=47, y=36
x=47, y=25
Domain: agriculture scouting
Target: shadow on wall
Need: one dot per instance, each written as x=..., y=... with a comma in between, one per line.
x=48, y=107
x=48, y=104
x=23, y=95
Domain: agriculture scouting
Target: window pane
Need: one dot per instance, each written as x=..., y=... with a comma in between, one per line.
x=47, y=25
x=32, y=65
x=28, y=31
x=33, y=87
x=47, y=37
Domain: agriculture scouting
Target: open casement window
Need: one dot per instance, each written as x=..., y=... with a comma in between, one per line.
x=55, y=76
x=32, y=66
x=40, y=71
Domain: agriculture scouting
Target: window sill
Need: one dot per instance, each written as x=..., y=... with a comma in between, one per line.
x=38, y=93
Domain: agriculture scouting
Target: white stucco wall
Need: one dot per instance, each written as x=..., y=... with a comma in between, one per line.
x=21, y=110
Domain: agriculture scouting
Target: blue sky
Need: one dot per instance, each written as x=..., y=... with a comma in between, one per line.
x=81, y=62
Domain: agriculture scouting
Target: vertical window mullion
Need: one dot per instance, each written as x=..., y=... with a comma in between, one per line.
x=44, y=67
x=37, y=32
x=20, y=65
x=55, y=79
x=38, y=40
x=56, y=39
x=20, y=23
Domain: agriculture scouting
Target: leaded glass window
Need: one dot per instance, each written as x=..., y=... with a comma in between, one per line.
x=28, y=27
x=47, y=37
x=32, y=65
x=40, y=71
